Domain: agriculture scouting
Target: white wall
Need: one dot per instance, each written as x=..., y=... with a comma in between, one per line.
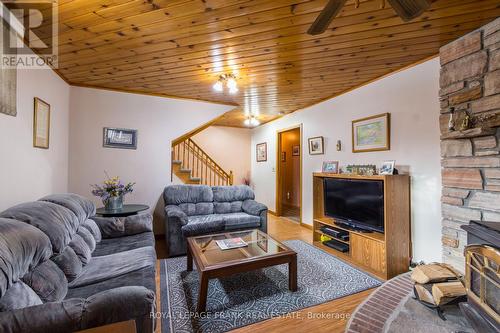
x=158, y=120
x=28, y=173
x=229, y=147
x=411, y=96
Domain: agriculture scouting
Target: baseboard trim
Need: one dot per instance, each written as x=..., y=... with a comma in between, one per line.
x=272, y=213
x=308, y=226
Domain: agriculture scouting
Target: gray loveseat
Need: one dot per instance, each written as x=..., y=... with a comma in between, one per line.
x=193, y=210
x=63, y=271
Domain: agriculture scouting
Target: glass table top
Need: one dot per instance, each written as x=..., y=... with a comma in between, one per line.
x=259, y=245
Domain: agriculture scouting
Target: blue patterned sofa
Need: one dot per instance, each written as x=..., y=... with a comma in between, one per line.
x=193, y=210
x=62, y=270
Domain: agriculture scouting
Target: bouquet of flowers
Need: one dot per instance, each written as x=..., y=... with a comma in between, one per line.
x=112, y=188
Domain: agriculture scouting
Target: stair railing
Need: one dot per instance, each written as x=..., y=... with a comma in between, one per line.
x=202, y=166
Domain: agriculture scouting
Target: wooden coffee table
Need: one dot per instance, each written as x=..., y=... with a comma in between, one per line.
x=212, y=262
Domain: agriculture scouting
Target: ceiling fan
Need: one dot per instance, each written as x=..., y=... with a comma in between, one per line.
x=406, y=9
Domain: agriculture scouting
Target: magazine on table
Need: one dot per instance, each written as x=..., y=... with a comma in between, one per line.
x=231, y=243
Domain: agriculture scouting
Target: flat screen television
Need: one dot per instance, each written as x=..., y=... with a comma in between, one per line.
x=357, y=203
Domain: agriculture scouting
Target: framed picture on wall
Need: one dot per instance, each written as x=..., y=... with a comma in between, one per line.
x=261, y=152
x=296, y=151
x=371, y=133
x=316, y=146
x=41, y=124
x=120, y=138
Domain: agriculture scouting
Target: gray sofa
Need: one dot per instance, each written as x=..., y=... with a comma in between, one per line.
x=193, y=210
x=63, y=271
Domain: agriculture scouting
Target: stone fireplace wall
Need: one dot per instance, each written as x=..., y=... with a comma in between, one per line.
x=470, y=87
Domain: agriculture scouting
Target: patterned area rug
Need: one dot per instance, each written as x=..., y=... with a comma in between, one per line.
x=247, y=298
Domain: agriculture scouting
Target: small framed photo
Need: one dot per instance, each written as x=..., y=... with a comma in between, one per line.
x=316, y=146
x=120, y=138
x=330, y=167
x=41, y=124
x=283, y=156
x=296, y=151
x=261, y=152
x=371, y=133
x=387, y=168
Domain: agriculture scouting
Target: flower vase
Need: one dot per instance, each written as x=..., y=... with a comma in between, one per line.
x=114, y=203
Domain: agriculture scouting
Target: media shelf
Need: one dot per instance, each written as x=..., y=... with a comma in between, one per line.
x=383, y=254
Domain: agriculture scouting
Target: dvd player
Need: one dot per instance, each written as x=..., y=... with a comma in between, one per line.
x=335, y=233
x=339, y=246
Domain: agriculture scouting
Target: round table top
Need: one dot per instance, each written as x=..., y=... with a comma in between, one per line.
x=127, y=210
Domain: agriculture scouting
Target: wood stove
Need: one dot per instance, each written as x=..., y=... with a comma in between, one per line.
x=482, y=276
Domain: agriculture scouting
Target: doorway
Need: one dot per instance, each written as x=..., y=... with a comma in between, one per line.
x=289, y=174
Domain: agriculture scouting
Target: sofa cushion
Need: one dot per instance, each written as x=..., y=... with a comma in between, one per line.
x=113, y=265
x=232, y=193
x=144, y=277
x=47, y=281
x=236, y=221
x=82, y=207
x=91, y=226
x=22, y=247
x=81, y=249
x=227, y=207
x=121, y=244
x=112, y=227
x=87, y=237
x=177, y=194
x=203, y=224
x=200, y=208
x=19, y=296
x=57, y=222
x=69, y=263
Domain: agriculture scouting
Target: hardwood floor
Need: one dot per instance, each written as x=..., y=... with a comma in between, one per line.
x=327, y=317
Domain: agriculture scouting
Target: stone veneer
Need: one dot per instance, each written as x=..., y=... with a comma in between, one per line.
x=470, y=85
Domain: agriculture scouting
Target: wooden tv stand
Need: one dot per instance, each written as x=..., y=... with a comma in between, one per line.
x=383, y=254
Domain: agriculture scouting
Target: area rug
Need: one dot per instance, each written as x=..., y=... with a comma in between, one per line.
x=247, y=298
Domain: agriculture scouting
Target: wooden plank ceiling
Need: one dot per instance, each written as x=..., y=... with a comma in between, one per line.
x=180, y=47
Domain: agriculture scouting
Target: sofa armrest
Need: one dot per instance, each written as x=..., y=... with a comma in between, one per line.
x=107, y=307
x=112, y=227
x=175, y=218
x=253, y=207
x=173, y=211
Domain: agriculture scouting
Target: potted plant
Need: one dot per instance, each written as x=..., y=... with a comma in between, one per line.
x=112, y=192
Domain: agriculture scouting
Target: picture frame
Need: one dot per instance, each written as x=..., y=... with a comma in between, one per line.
x=296, y=150
x=371, y=133
x=387, y=168
x=41, y=124
x=261, y=152
x=330, y=167
x=316, y=145
x=121, y=138
x=283, y=156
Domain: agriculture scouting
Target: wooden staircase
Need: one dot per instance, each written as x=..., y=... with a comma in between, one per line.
x=194, y=166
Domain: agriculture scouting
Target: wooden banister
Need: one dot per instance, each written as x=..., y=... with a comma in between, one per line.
x=201, y=166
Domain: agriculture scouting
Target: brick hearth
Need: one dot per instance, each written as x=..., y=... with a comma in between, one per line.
x=470, y=85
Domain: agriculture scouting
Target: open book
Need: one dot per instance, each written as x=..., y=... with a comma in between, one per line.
x=231, y=243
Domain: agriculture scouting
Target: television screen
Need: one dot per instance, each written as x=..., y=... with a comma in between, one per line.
x=359, y=203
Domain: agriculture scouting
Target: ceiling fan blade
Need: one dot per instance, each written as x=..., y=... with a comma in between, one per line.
x=326, y=16
x=409, y=9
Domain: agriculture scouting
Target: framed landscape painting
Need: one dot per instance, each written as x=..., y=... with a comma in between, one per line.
x=371, y=133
